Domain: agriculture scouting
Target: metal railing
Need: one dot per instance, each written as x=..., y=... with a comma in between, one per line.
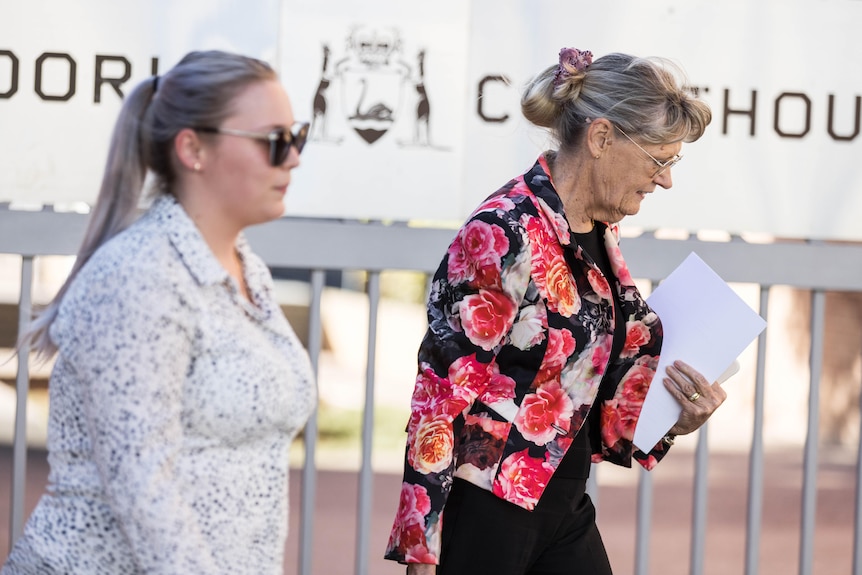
x=322, y=245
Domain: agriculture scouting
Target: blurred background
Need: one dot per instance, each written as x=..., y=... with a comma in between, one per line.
x=770, y=197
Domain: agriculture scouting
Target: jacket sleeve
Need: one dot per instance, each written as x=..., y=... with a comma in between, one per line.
x=472, y=306
x=634, y=371
x=651, y=459
x=131, y=348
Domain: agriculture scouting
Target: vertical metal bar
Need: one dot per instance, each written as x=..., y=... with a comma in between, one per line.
x=363, y=523
x=644, y=512
x=593, y=486
x=857, y=520
x=809, y=472
x=755, y=477
x=644, y=518
x=309, y=471
x=22, y=390
x=698, y=519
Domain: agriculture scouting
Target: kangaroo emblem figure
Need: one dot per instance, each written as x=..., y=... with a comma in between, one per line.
x=422, y=133
x=318, y=117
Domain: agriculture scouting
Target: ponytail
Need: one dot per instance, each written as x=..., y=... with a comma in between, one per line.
x=198, y=91
x=116, y=205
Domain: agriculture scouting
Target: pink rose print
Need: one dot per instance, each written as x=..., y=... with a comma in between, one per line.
x=649, y=463
x=549, y=269
x=614, y=229
x=637, y=335
x=415, y=504
x=620, y=414
x=618, y=264
x=419, y=554
x=633, y=387
x=560, y=288
x=500, y=388
x=613, y=427
x=529, y=330
x=648, y=361
x=497, y=429
x=499, y=202
x=601, y=354
x=486, y=317
x=433, y=395
x=478, y=245
x=541, y=242
x=487, y=276
x=413, y=544
x=544, y=414
x=599, y=284
x=544, y=246
x=430, y=444
x=561, y=345
x=522, y=479
x=408, y=533
x=558, y=222
x=469, y=376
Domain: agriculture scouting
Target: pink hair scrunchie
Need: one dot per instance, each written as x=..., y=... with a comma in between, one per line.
x=577, y=59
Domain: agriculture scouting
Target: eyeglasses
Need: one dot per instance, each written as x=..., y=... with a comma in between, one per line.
x=662, y=166
x=280, y=140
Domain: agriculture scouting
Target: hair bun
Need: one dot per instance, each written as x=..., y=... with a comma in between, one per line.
x=573, y=62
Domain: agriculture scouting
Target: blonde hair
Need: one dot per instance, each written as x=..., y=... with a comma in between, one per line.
x=198, y=91
x=647, y=97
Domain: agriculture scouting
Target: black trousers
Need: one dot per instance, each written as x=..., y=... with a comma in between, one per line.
x=482, y=534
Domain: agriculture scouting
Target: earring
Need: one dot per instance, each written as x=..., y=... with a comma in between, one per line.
x=597, y=156
x=197, y=166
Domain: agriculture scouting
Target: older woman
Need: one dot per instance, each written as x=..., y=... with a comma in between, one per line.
x=540, y=349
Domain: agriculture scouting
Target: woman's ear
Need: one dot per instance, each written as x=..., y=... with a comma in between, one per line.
x=599, y=137
x=189, y=149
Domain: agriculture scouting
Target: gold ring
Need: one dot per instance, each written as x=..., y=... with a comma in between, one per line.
x=693, y=397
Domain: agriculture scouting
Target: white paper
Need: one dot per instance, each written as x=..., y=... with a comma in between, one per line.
x=706, y=324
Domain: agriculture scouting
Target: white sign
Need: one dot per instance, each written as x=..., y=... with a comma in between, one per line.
x=384, y=85
x=416, y=105
x=65, y=67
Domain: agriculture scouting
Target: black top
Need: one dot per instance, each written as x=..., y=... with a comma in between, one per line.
x=576, y=462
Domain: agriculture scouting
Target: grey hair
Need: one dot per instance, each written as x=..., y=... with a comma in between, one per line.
x=199, y=91
x=647, y=97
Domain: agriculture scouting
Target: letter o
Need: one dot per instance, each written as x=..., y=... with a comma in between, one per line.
x=807, y=101
x=40, y=61
x=13, y=84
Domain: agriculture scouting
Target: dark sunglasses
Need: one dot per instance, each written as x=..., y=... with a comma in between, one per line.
x=280, y=140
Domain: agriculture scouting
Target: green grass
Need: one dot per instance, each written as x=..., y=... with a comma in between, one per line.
x=339, y=437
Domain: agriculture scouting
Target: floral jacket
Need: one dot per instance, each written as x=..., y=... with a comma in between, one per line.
x=520, y=331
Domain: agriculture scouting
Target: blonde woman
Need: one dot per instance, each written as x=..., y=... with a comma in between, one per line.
x=178, y=384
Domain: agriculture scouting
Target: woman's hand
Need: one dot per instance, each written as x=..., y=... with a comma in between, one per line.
x=697, y=397
x=421, y=569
